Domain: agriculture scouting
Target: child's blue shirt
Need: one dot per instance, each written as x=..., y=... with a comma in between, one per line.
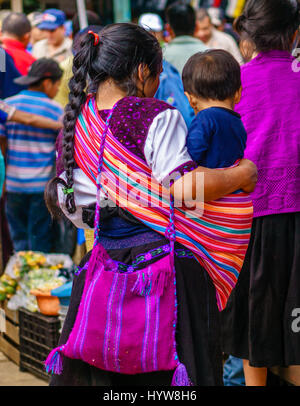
x=216, y=138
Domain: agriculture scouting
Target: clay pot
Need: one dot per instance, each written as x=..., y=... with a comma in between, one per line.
x=48, y=305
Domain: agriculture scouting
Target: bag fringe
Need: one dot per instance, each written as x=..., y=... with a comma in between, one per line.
x=180, y=377
x=53, y=363
x=151, y=282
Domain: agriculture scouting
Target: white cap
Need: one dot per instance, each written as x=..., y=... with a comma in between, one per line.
x=151, y=22
x=215, y=15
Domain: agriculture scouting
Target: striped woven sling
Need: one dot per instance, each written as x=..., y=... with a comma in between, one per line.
x=218, y=239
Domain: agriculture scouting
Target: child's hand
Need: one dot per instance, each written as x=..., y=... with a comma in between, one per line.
x=248, y=175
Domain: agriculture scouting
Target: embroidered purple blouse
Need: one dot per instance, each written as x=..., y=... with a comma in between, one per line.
x=270, y=110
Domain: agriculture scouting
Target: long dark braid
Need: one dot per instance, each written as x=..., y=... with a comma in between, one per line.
x=77, y=98
x=122, y=48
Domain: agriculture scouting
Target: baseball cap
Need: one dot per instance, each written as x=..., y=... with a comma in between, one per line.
x=52, y=19
x=42, y=68
x=216, y=15
x=151, y=22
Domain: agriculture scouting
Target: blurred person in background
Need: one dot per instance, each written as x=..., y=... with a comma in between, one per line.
x=37, y=34
x=10, y=113
x=219, y=21
x=181, y=23
x=15, y=37
x=56, y=46
x=94, y=24
x=213, y=38
x=154, y=24
x=170, y=88
x=31, y=158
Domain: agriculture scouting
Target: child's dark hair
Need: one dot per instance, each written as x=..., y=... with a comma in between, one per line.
x=269, y=24
x=213, y=74
x=182, y=18
x=121, y=50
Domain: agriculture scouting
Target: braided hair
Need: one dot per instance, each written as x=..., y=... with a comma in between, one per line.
x=122, y=48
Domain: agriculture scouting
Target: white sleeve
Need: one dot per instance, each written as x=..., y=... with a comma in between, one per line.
x=85, y=192
x=165, y=146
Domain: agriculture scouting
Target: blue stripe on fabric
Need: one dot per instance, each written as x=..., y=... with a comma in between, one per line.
x=30, y=164
x=24, y=189
x=25, y=180
x=31, y=155
x=25, y=137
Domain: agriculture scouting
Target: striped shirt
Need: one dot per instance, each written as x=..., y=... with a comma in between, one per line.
x=30, y=150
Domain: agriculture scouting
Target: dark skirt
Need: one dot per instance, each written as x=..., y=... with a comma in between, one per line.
x=261, y=321
x=197, y=335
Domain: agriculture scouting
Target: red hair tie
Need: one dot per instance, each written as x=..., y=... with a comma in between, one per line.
x=96, y=37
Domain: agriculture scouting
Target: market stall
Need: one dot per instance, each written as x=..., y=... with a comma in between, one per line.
x=34, y=296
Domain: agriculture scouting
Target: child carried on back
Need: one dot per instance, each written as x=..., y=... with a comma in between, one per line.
x=212, y=84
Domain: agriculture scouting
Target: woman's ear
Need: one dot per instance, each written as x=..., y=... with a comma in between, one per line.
x=143, y=73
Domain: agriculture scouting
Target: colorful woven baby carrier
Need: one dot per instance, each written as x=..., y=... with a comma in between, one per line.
x=126, y=322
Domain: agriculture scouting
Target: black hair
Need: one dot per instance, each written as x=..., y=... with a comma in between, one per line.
x=269, y=24
x=213, y=74
x=92, y=19
x=16, y=24
x=121, y=50
x=182, y=18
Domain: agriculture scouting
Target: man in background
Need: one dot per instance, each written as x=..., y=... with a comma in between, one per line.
x=15, y=37
x=181, y=23
x=37, y=34
x=56, y=46
x=213, y=38
x=154, y=24
x=171, y=87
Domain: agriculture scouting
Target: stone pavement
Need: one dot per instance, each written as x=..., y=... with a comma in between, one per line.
x=11, y=376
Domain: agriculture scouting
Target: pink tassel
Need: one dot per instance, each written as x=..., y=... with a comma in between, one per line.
x=53, y=363
x=180, y=377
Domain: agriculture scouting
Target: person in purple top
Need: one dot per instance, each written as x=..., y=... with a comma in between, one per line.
x=260, y=320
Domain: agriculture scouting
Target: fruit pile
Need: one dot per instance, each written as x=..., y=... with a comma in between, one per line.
x=8, y=287
x=27, y=261
x=30, y=270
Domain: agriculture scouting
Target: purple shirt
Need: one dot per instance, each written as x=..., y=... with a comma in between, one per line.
x=270, y=111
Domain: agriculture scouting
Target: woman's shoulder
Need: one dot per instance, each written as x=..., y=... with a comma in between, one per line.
x=145, y=105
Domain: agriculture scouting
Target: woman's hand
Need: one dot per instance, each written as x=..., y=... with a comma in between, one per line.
x=215, y=183
x=248, y=175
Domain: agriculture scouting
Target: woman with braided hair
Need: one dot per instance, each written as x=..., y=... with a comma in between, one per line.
x=143, y=308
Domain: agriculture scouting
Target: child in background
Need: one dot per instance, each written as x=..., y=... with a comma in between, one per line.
x=212, y=84
x=31, y=158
